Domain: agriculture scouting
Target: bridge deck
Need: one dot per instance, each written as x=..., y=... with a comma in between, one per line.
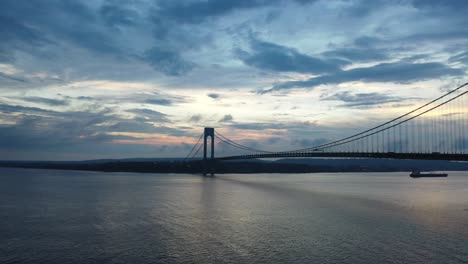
x=387, y=155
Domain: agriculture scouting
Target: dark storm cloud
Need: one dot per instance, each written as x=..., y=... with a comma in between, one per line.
x=453, y=12
x=77, y=98
x=139, y=125
x=167, y=61
x=367, y=41
x=178, y=27
x=194, y=12
x=9, y=109
x=357, y=54
x=12, y=78
x=33, y=132
x=195, y=118
x=154, y=116
x=153, y=98
x=115, y=13
x=264, y=126
x=39, y=128
x=459, y=5
x=197, y=11
x=445, y=35
x=64, y=24
x=214, y=95
x=226, y=118
x=5, y=56
x=274, y=57
x=36, y=128
x=156, y=101
x=397, y=72
x=135, y=126
x=306, y=142
x=85, y=98
x=361, y=8
x=254, y=126
x=70, y=21
x=45, y=101
x=362, y=99
x=462, y=57
x=15, y=35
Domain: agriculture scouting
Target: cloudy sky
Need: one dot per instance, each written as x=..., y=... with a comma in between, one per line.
x=114, y=78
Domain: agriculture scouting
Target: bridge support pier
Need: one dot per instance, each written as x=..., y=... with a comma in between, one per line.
x=208, y=164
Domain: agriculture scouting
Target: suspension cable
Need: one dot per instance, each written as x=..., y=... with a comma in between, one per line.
x=381, y=125
x=401, y=122
x=198, y=150
x=236, y=146
x=224, y=139
x=194, y=146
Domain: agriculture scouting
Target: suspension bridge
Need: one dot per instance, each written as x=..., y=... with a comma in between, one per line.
x=436, y=130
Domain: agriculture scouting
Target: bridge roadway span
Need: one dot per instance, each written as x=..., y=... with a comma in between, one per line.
x=387, y=155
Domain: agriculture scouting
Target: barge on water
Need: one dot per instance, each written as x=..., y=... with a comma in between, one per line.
x=418, y=174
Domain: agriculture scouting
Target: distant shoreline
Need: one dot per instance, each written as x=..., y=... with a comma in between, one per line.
x=245, y=166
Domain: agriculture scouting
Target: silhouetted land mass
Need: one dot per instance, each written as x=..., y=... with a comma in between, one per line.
x=244, y=166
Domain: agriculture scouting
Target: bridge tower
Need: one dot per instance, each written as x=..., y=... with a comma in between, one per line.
x=208, y=163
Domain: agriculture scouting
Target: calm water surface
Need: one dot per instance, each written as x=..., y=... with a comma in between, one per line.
x=91, y=217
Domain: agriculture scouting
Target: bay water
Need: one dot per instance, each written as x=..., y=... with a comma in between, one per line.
x=54, y=216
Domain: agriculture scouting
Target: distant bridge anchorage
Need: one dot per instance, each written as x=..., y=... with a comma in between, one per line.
x=437, y=130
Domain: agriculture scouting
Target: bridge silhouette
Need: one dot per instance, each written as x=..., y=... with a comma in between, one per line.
x=436, y=130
